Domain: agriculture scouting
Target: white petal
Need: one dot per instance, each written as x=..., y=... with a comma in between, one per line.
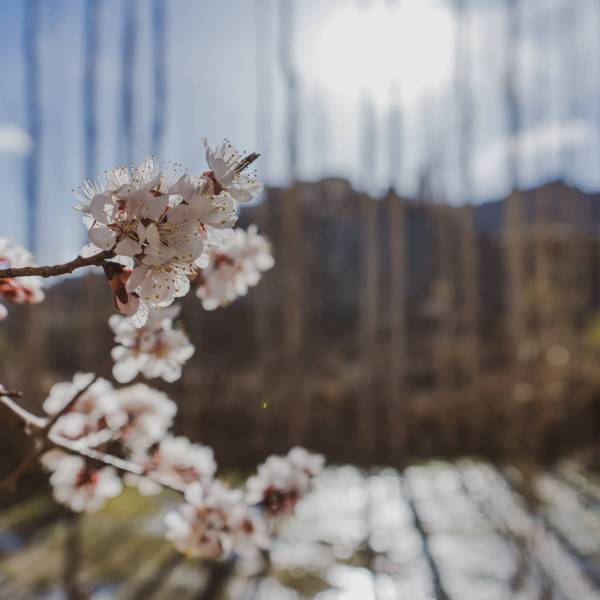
x=125, y=370
x=103, y=237
x=128, y=247
x=153, y=236
x=154, y=207
x=137, y=277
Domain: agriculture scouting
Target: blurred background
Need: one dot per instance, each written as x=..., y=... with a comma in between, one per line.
x=432, y=171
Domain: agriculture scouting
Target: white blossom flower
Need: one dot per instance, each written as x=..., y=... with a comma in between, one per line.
x=79, y=485
x=232, y=270
x=157, y=286
x=282, y=480
x=149, y=413
x=165, y=222
x=214, y=523
x=19, y=290
x=178, y=461
x=226, y=175
x=156, y=349
x=117, y=205
x=96, y=415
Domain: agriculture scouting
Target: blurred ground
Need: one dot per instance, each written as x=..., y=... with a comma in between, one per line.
x=463, y=530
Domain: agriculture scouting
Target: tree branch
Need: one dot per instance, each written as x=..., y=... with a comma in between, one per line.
x=28, y=461
x=52, y=420
x=112, y=461
x=40, y=429
x=22, y=416
x=55, y=270
x=10, y=393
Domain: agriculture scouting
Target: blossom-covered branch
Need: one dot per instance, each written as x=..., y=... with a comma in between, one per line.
x=97, y=259
x=214, y=522
x=125, y=466
x=155, y=230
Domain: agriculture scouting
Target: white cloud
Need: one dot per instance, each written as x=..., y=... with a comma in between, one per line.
x=14, y=140
x=540, y=150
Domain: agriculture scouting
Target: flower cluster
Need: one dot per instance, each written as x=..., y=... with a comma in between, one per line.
x=161, y=223
x=214, y=521
x=233, y=269
x=178, y=461
x=79, y=485
x=154, y=229
x=136, y=417
x=157, y=349
x=282, y=480
x=24, y=290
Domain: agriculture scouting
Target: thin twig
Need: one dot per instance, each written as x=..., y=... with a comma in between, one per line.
x=28, y=461
x=113, y=461
x=22, y=416
x=52, y=420
x=9, y=392
x=40, y=429
x=55, y=270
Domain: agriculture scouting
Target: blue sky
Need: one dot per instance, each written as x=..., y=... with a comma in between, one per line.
x=223, y=79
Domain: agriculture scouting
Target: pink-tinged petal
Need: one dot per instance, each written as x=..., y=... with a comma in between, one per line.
x=102, y=208
x=103, y=237
x=127, y=247
x=184, y=187
x=245, y=188
x=125, y=370
x=171, y=372
x=209, y=153
x=218, y=212
x=128, y=308
x=109, y=484
x=264, y=262
x=3, y=312
x=141, y=231
x=180, y=214
x=154, y=207
x=157, y=258
x=153, y=236
x=137, y=277
x=194, y=493
x=222, y=172
x=89, y=250
x=141, y=316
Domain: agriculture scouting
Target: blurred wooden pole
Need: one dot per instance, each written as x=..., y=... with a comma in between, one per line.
x=515, y=261
x=292, y=300
x=368, y=353
x=264, y=324
x=444, y=297
x=397, y=409
x=469, y=247
x=264, y=339
x=368, y=323
x=514, y=217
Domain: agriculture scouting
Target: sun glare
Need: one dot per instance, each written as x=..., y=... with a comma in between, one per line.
x=369, y=49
